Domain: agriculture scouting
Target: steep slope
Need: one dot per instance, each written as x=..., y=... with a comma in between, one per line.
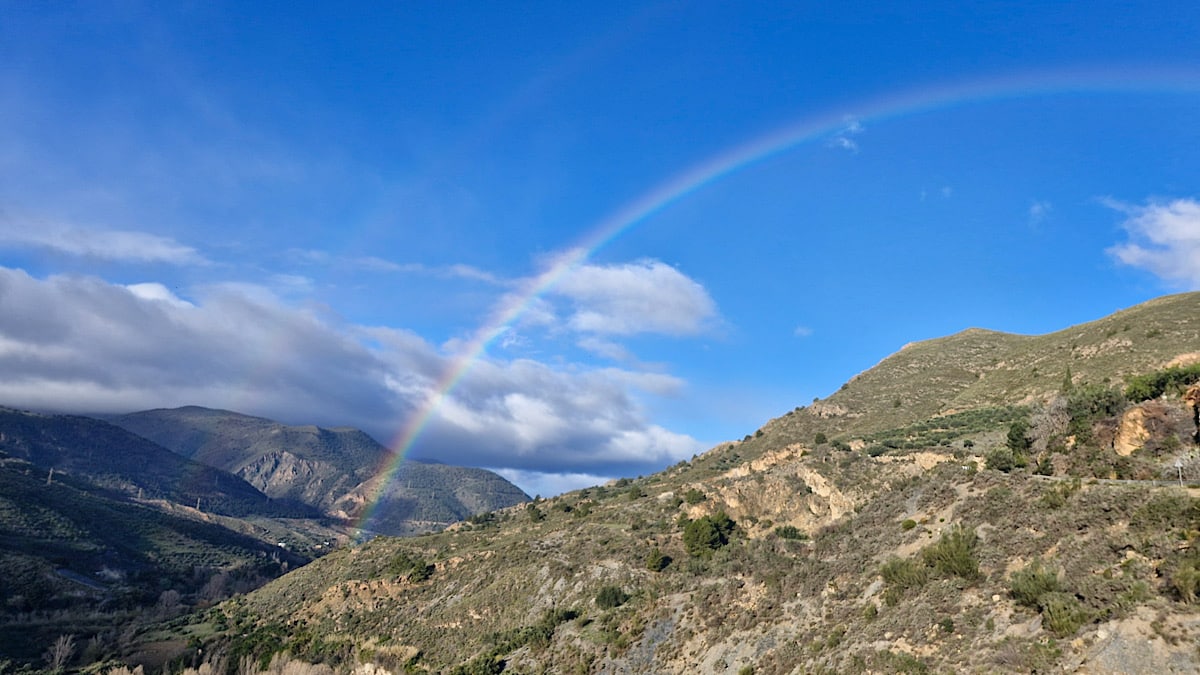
x=109, y=456
x=331, y=469
x=819, y=544
x=79, y=559
x=978, y=368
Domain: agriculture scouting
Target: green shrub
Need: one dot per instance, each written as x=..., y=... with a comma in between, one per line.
x=611, y=597
x=535, y=514
x=694, y=496
x=908, y=524
x=1186, y=580
x=410, y=567
x=954, y=553
x=901, y=575
x=1062, y=613
x=706, y=534
x=1153, y=385
x=1001, y=459
x=657, y=561
x=789, y=532
x=1018, y=439
x=1029, y=584
x=1089, y=403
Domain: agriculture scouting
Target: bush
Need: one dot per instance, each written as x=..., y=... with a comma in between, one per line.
x=657, y=561
x=1153, y=385
x=1089, y=403
x=908, y=524
x=706, y=534
x=901, y=575
x=1062, y=613
x=611, y=597
x=1001, y=459
x=954, y=554
x=694, y=496
x=1018, y=437
x=1028, y=585
x=1186, y=580
x=410, y=567
x=789, y=532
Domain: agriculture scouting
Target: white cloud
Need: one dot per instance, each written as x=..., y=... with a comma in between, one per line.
x=844, y=138
x=1164, y=239
x=376, y=264
x=1038, y=211
x=647, y=296
x=538, y=483
x=605, y=348
x=111, y=245
x=83, y=344
x=802, y=331
x=157, y=292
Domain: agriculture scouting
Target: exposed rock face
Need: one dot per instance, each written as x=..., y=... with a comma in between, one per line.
x=1142, y=643
x=283, y=475
x=1132, y=434
x=1192, y=399
x=1149, y=423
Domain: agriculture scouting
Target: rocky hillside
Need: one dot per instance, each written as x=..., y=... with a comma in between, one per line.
x=333, y=470
x=99, y=530
x=111, y=457
x=964, y=506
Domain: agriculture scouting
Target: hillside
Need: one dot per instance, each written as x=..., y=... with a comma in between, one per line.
x=330, y=469
x=980, y=368
x=950, y=510
x=111, y=457
x=75, y=558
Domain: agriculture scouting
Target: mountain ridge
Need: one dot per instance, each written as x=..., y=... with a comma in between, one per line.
x=331, y=469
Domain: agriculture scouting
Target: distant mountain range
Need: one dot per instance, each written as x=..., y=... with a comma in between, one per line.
x=334, y=470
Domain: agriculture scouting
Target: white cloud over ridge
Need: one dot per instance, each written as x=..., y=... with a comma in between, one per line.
x=83, y=344
x=1164, y=239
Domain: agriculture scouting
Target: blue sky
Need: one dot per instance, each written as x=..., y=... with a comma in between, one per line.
x=569, y=241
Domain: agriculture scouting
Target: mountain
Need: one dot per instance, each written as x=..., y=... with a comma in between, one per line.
x=111, y=457
x=953, y=509
x=112, y=534
x=333, y=470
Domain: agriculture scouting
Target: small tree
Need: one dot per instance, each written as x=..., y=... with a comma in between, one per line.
x=59, y=654
x=706, y=534
x=1018, y=437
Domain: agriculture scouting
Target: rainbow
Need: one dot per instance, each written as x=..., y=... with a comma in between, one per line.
x=886, y=107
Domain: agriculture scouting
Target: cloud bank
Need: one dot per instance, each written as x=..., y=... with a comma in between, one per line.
x=83, y=344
